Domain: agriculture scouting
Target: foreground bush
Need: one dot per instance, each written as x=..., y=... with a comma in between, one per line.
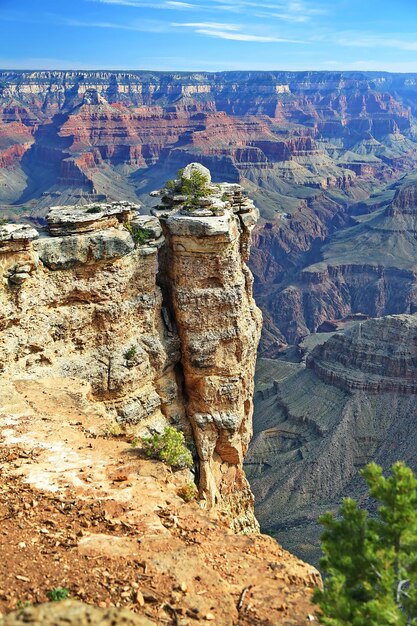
x=169, y=447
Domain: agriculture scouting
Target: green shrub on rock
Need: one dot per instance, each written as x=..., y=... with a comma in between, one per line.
x=195, y=187
x=139, y=235
x=130, y=353
x=169, y=447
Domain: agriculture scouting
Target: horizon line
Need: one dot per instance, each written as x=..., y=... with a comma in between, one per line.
x=202, y=71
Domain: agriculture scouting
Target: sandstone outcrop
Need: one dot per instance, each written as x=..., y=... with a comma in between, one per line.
x=204, y=266
x=125, y=323
x=160, y=340
x=76, y=304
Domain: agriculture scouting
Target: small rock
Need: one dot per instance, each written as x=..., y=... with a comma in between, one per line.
x=139, y=598
x=25, y=579
x=119, y=478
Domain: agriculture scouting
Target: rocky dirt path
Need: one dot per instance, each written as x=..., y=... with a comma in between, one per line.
x=80, y=509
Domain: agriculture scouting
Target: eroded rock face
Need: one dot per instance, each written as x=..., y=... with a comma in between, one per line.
x=219, y=326
x=368, y=268
x=316, y=426
x=85, y=303
x=376, y=356
x=70, y=220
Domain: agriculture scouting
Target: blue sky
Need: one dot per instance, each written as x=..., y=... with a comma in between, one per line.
x=209, y=35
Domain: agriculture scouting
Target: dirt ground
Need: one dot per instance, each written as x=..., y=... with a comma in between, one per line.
x=80, y=509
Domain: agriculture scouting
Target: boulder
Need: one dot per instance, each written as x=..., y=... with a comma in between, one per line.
x=73, y=613
x=196, y=167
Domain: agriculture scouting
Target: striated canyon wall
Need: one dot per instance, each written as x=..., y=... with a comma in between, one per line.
x=317, y=423
x=366, y=267
x=87, y=134
x=158, y=341
x=351, y=361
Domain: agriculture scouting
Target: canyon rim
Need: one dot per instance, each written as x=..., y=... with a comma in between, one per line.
x=208, y=300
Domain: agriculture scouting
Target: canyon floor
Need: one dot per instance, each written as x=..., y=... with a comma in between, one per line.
x=82, y=509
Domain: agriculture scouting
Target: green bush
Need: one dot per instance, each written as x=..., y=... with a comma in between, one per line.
x=23, y=604
x=130, y=353
x=171, y=185
x=139, y=235
x=57, y=593
x=195, y=188
x=169, y=447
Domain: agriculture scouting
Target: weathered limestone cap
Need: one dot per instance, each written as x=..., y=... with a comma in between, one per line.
x=211, y=200
x=147, y=233
x=196, y=167
x=16, y=237
x=16, y=232
x=70, y=220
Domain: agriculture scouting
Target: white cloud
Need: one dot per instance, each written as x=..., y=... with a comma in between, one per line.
x=288, y=17
x=292, y=10
x=179, y=5
x=359, y=40
x=146, y=26
x=210, y=25
x=222, y=34
x=231, y=32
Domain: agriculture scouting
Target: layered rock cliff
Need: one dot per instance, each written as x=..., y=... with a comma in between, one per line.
x=83, y=300
x=350, y=361
x=368, y=267
x=316, y=426
x=79, y=134
x=313, y=148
